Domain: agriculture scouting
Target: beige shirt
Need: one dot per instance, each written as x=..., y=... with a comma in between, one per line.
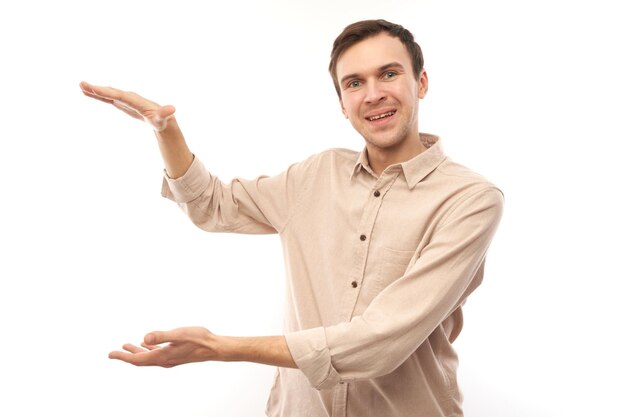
x=377, y=270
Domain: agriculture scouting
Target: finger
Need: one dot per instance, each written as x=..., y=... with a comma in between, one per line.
x=166, y=112
x=132, y=348
x=132, y=358
x=129, y=111
x=159, y=337
x=130, y=99
x=85, y=87
x=109, y=93
x=150, y=347
x=97, y=97
x=90, y=91
x=156, y=338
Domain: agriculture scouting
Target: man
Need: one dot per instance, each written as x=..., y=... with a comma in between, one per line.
x=381, y=247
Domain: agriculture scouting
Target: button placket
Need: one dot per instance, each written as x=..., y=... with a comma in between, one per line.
x=366, y=225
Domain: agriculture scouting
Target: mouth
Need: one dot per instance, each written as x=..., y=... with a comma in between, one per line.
x=381, y=116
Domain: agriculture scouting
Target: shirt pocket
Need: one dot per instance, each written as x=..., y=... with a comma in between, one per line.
x=393, y=265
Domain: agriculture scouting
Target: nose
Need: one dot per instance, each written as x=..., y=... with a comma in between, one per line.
x=375, y=93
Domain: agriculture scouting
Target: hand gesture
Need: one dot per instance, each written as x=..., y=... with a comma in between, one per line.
x=171, y=348
x=132, y=104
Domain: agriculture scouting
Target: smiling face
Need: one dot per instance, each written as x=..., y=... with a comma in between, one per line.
x=379, y=95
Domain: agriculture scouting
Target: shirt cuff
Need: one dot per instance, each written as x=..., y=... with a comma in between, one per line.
x=188, y=187
x=310, y=352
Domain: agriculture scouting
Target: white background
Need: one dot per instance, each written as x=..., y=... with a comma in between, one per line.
x=528, y=93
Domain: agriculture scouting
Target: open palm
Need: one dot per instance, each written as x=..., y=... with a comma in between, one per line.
x=169, y=348
x=132, y=104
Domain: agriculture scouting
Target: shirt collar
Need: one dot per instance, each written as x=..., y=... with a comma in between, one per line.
x=362, y=163
x=415, y=169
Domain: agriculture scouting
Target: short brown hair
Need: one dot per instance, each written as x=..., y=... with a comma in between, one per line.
x=356, y=32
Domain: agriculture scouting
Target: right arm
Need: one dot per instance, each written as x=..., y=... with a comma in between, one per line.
x=259, y=206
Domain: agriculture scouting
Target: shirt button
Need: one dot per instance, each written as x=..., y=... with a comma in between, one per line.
x=376, y=193
x=354, y=284
x=363, y=237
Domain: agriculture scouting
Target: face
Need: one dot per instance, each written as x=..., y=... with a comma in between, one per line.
x=379, y=93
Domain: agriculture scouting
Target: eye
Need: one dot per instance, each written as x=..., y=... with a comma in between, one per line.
x=354, y=84
x=389, y=75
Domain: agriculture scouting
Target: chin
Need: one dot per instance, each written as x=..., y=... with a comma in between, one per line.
x=385, y=143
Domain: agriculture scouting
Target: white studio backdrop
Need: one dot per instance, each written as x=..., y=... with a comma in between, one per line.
x=530, y=94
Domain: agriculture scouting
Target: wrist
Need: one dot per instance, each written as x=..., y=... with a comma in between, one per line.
x=268, y=350
x=176, y=154
x=223, y=348
x=170, y=131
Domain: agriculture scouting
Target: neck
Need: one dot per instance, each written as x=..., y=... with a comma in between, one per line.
x=380, y=158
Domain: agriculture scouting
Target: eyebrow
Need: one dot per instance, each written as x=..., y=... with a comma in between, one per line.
x=380, y=69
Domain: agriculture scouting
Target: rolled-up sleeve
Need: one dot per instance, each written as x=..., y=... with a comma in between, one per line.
x=401, y=317
x=188, y=187
x=309, y=350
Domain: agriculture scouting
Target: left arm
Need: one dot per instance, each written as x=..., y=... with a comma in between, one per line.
x=396, y=322
x=404, y=314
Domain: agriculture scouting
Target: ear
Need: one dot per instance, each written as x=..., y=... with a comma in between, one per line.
x=422, y=84
x=343, y=109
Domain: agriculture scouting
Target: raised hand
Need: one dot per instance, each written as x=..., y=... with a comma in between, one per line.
x=176, y=155
x=132, y=104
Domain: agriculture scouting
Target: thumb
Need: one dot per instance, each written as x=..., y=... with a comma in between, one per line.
x=157, y=337
x=166, y=112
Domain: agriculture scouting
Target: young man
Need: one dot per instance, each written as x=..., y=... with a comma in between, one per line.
x=382, y=247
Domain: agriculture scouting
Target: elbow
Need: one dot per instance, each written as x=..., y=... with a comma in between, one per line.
x=371, y=365
x=380, y=367
x=369, y=351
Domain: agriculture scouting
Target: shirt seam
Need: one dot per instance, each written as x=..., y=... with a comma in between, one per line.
x=463, y=198
x=300, y=196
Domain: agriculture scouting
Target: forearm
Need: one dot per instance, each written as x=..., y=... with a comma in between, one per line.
x=268, y=350
x=197, y=344
x=176, y=154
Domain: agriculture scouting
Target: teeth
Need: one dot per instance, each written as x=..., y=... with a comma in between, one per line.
x=381, y=116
